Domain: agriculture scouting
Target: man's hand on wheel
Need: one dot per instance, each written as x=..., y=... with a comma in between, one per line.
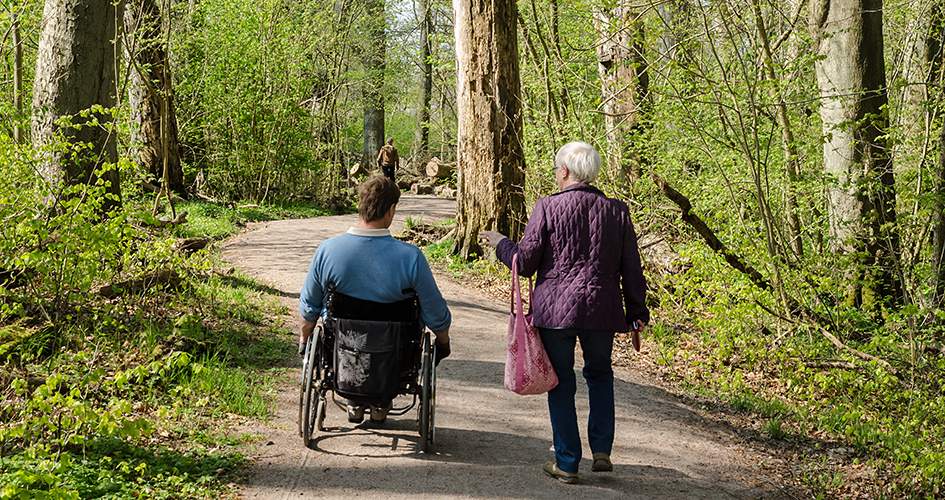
x=441, y=351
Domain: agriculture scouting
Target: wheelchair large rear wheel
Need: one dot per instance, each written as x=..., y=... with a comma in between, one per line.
x=427, y=396
x=303, y=388
x=312, y=410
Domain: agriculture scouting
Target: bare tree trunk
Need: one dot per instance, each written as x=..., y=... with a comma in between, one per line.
x=18, y=134
x=422, y=141
x=489, y=149
x=75, y=70
x=848, y=37
x=935, y=43
x=625, y=85
x=938, y=224
x=151, y=87
x=374, y=66
x=917, y=110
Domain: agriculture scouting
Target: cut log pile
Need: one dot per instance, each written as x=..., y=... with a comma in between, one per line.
x=408, y=179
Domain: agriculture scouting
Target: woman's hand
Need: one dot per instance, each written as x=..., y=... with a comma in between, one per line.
x=490, y=238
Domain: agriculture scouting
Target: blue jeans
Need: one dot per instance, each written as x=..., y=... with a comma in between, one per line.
x=388, y=171
x=597, y=347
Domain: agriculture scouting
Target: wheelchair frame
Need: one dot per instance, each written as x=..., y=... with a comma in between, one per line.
x=318, y=379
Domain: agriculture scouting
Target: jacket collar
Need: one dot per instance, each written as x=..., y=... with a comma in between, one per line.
x=581, y=186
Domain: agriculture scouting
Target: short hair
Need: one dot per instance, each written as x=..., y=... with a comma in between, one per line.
x=582, y=161
x=376, y=196
x=390, y=140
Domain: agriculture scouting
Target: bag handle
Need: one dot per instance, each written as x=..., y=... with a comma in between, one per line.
x=517, y=290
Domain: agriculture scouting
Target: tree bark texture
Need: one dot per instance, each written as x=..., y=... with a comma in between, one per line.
x=150, y=87
x=624, y=85
x=374, y=56
x=933, y=60
x=938, y=224
x=490, y=159
x=851, y=74
x=75, y=70
x=422, y=140
x=18, y=133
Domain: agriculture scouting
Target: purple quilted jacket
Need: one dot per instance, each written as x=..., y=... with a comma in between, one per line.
x=582, y=245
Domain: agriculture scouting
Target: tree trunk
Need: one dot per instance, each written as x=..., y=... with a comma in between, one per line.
x=373, y=92
x=75, y=70
x=917, y=111
x=851, y=73
x=489, y=149
x=422, y=140
x=938, y=224
x=151, y=85
x=935, y=43
x=18, y=135
x=791, y=163
x=624, y=84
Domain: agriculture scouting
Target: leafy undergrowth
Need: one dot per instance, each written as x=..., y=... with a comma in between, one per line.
x=836, y=425
x=126, y=362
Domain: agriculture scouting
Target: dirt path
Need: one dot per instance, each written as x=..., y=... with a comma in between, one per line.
x=490, y=443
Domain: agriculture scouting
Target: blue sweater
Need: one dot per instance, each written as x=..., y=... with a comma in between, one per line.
x=372, y=265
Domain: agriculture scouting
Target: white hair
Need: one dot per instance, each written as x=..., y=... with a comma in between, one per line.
x=582, y=161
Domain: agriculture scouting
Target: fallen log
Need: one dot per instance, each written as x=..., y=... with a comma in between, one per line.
x=421, y=189
x=357, y=172
x=445, y=191
x=147, y=281
x=436, y=168
x=188, y=246
x=162, y=221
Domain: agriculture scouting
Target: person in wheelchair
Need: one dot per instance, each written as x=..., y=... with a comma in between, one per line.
x=369, y=264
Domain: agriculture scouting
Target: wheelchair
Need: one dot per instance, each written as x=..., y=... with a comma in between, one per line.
x=369, y=352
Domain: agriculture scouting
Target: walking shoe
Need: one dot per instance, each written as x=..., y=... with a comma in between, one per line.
x=355, y=414
x=552, y=470
x=379, y=415
x=602, y=463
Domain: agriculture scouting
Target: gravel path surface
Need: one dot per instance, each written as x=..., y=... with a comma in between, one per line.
x=490, y=442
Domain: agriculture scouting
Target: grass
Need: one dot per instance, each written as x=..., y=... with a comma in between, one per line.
x=216, y=220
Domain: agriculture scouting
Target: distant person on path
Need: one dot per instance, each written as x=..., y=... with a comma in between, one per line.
x=583, y=247
x=388, y=159
x=369, y=264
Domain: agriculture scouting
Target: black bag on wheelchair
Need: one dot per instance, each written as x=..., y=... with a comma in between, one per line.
x=370, y=338
x=367, y=357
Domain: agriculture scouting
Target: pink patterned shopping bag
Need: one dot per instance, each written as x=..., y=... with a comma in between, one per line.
x=527, y=367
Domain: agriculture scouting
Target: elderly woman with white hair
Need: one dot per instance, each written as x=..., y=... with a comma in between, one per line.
x=589, y=285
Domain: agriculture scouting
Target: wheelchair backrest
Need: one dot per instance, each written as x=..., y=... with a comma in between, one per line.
x=344, y=306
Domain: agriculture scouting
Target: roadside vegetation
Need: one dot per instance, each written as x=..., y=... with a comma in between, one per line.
x=786, y=168
x=843, y=427
x=126, y=361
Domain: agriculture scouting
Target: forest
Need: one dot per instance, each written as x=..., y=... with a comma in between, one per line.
x=784, y=163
